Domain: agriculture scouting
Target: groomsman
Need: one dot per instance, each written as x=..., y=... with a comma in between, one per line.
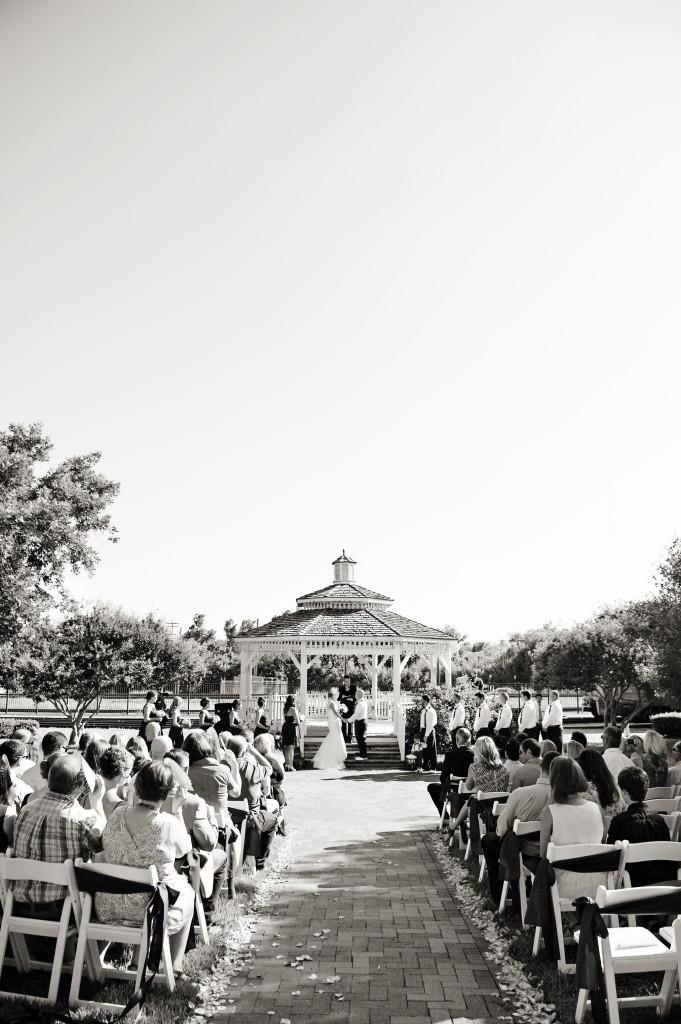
x=483, y=716
x=457, y=718
x=347, y=695
x=504, y=719
x=527, y=720
x=552, y=723
x=427, y=733
x=359, y=717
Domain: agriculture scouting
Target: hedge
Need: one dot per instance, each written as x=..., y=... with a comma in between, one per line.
x=668, y=724
x=9, y=725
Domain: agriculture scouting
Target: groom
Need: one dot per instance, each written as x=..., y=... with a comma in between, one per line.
x=348, y=692
x=359, y=717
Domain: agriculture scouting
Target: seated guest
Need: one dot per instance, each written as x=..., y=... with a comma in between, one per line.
x=488, y=774
x=674, y=773
x=569, y=819
x=580, y=737
x=138, y=837
x=573, y=749
x=654, y=758
x=524, y=804
x=52, y=742
x=255, y=786
x=264, y=744
x=115, y=768
x=85, y=738
x=45, y=766
x=54, y=828
x=140, y=752
x=546, y=747
x=633, y=748
x=639, y=824
x=15, y=752
x=530, y=764
x=9, y=805
x=26, y=737
x=512, y=763
x=212, y=781
x=116, y=740
x=616, y=760
x=601, y=789
x=152, y=731
x=456, y=762
x=93, y=753
x=161, y=746
x=201, y=824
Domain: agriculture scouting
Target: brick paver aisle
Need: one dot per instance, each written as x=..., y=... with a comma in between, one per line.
x=365, y=900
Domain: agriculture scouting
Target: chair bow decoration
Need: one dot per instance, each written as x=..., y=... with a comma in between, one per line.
x=509, y=855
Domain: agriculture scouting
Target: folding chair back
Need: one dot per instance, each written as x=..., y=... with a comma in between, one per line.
x=634, y=951
x=242, y=807
x=454, y=781
x=643, y=853
x=521, y=828
x=92, y=931
x=673, y=824
x=560, y=856
x=661, y=793
x=500, y=797
x=665, y=806
x=15, y=928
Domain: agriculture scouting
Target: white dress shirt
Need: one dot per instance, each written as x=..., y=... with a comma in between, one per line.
x=528, y=716
x=616, y=761
x=553, y=715
x=505, y=717
x=360, y=713
x=482, y=717
x=457, y=719
x=428, y=720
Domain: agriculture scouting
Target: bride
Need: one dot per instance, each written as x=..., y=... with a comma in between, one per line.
x=332, y=752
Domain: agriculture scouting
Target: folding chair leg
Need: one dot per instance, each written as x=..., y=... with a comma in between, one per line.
x=582, y=1000
x=168, y=965
x=535, y=944
x=611, y=995
x=77, y=974
x=483, y=865
x=59, y=951
x=667, y=993
x=201, y=917
x=504, y=897
x=468, y=850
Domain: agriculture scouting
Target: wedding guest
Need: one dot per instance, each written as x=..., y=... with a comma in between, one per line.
x=116, y=769
x=289, y=731
x=546, y=747
x=15, y=752
x=261, y=724
x=116, y=740
x=483, y=716
x=140, y=752
x=552, y=722
x=654, y=758
x=580, y=737
x=674, y=773
x=255, y=786
x=530, y=764
x=347, y=696
x=512, y=764
x=573, y=749
x=428, y=722
x=639, y=824
x=358, y=718
x=488, y=774
x=457, y=762
x=504, y=719
x=457, y=718
x=211, y=780
x=601, y=788
x=613, y=756
x=527, y=720
x=150, y=713
x=178, y=723
x=52, y=742
x=207, y=716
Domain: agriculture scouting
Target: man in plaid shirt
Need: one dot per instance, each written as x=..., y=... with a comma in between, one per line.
x=54, y=828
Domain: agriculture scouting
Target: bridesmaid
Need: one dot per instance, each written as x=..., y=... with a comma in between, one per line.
x=178, y=723
x=261, y=724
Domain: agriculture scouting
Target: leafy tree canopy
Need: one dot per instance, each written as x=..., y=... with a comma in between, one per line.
x=46, y=524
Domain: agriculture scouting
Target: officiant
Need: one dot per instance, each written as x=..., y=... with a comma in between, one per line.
x=348, y=697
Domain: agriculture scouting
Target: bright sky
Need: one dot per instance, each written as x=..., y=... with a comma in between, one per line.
x=391, y=276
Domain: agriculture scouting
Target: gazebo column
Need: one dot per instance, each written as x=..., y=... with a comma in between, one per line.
x=373, y=665
x=434, y=663
x=447, y=662
x=397, y=682
x=246, y=677
x=303, y=694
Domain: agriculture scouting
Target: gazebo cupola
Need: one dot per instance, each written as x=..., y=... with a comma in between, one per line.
x=344, y=569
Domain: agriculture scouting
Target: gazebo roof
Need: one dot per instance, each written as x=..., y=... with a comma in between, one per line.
x=339, y=622
x=344, y=592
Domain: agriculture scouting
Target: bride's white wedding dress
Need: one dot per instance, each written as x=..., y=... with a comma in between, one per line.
x=332, y=752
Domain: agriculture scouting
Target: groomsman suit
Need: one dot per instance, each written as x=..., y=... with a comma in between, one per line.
x=427, y=728
x=359, y=717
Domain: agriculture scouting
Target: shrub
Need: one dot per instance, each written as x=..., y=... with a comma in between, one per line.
x=668, y=724
x=8, y=726
x=442, y=700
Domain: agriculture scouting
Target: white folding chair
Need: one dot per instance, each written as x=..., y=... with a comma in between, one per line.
x=559, y=856
x=643, y=853
x=667, y=806
x=483, y=798
x=521, y=828
x=446, y=806
x=16, y=928
x=92, y=931
x=242, y=806
x=634, y=951
x=661, y=793
x=673, y=824
x=497, y=808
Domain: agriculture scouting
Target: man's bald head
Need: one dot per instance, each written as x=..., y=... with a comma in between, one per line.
x=65, y=777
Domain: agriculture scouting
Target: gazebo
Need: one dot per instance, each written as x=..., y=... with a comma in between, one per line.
x=345, y=618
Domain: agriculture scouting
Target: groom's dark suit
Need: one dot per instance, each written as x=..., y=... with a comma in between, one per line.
x=348, y=696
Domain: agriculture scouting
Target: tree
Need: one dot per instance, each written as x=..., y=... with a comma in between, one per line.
x=46, y=524
x=666, y=618
x=76, y=662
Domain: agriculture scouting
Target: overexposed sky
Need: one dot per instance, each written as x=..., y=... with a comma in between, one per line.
x=391, y=276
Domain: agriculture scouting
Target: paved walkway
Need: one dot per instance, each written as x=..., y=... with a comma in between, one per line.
x=366, y=902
